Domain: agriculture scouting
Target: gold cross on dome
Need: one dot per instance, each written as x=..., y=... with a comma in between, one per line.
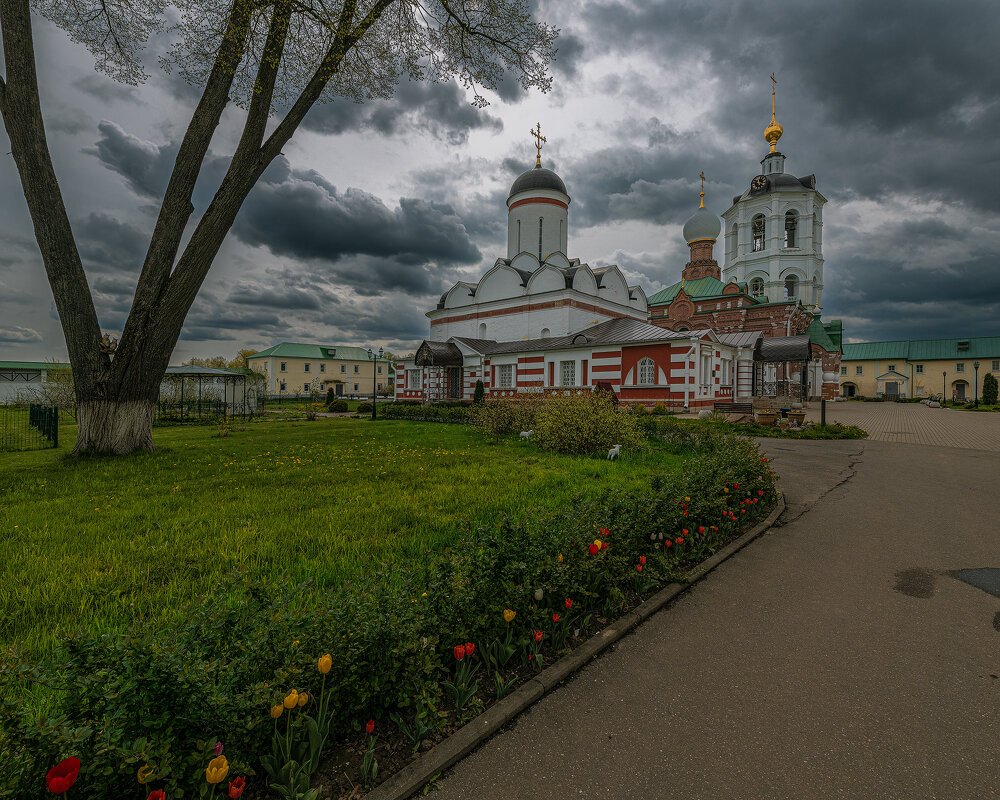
x=702, y=176
x=537, y=133
x=774, y=82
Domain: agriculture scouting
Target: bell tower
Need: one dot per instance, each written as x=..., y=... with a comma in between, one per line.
x=774, y=230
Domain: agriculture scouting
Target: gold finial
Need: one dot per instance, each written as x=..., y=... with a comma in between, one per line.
x=702, y=176
x=773, y=131
x=537, y=133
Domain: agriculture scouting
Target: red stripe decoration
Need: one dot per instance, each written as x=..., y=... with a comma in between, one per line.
x=548, y=200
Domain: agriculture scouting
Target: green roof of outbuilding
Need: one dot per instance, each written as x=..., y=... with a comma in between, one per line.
x=697, y=290
x=924, y=349
x=296, y=350
x=33, y=365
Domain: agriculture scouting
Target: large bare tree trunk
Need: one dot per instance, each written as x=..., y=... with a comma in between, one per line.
x=114, y=426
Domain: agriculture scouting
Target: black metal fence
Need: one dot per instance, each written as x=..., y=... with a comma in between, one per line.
x=28, y=427
x=198, y=411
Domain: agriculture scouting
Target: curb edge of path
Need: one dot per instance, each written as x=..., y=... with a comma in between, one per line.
x=413, y=777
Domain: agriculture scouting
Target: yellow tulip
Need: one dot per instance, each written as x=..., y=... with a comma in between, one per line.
x=559, y=558
x=291, y=699
x=217, y=770
x=277, y=711
x=303, y=699
x=597, y=542
x=509, y=615
x=325, y=663
x=687, y=499
x=144, y=772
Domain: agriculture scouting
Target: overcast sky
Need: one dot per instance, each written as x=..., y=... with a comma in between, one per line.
x=377, y=209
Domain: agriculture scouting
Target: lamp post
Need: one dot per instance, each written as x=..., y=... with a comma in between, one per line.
x=975, y=366
x=374, y=357
x=944, y=386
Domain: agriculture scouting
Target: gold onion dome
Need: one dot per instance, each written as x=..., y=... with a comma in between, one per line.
x=773, y=131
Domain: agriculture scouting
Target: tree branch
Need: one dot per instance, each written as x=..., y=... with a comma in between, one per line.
x=22, y=117
x=267, y=74
x=176, y=207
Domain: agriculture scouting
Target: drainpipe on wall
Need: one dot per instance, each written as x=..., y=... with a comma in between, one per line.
x=687, y=384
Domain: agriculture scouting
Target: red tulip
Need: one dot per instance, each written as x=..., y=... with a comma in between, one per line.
x=684, y=506
x=470, y=648
x=743, y=511
x=236, y=788
x=736, y=486
x=555, y=617
x=538, y=636
x=679, y=540
x=569, y=602
x=370, y=727
x=760, y=493
x=604, y=545
x=638, y=567
x=593, y=549
x=668, y=543
x=701, y=529
x=684, y=531
x=63, y=775
x=159, y=794
x=685, y=513
x=459, y=651
x=642, y=559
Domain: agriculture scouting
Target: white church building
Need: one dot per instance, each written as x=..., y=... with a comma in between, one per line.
x=539, y=321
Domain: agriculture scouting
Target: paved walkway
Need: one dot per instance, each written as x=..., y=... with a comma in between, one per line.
x=914, y=423
x=834, y=657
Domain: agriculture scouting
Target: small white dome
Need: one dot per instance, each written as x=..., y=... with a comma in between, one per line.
x=703, y=225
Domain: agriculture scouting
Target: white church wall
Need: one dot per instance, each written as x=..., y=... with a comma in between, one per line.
x=546, y=279
x=523, y=226
x=584, y=280
x=459, y=295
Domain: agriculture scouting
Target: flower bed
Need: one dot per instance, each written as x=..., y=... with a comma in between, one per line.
x=387, y=664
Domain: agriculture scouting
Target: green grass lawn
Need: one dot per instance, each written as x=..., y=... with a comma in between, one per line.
x=92, y=542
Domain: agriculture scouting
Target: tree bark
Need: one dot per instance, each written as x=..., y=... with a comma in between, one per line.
x=114, y=427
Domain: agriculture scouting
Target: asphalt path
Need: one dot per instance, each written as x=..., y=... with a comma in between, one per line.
x=838, y=656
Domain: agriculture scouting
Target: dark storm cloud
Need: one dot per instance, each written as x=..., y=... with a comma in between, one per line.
x=275, y=297
x=145, y=166
x=306, y=217
x=106, y=90
x=441, y=109
x=874, y=103
x=107, y=244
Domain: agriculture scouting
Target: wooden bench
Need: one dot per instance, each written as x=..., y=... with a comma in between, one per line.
x=733, y=408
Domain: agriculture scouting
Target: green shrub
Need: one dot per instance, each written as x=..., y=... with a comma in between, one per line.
x=365, y=408
x=990, y=389
x=480, y=394
x=330, y=395
x=337, y=406
x=433, y=413
x=503, y=416
x=585, y=424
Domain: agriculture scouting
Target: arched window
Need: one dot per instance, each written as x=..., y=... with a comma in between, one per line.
x=546, y=333
x=757, y=287
x=482, y=330
x=757, y=230
x=791, y=223
x=647, y=371
x=539, y=238
x=519, y=236
x=791, y=287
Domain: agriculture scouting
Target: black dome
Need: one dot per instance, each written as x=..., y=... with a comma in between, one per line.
x=538, y=178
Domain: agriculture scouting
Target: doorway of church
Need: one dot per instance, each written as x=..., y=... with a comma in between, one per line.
x=455, y=383
x=892, y=390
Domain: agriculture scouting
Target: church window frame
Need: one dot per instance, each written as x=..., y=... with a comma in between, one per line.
x=413, y=377
x=567, y=373
x=996, y=363
x=482, y=330
x=757, y=287
x=960, y=366
x=322, y=367
x=892, y=368
x=305, y=388
x=792, y=287
x=546, y=333
x=758, y=232
x=505, y=376
x=919, y=369
x=343, y=368
x=791, y=227
x=859, y=370
x=307, y=367
x=646, y=371
x=843, y=371
x=284, y=366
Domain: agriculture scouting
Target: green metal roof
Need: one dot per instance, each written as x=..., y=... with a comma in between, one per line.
x=699, y=289
x=296, y=350
x=924, y=349
x=33, y=365
x=835, y=330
